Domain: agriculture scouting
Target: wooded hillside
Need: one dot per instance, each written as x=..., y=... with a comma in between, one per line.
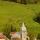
x=25, y=1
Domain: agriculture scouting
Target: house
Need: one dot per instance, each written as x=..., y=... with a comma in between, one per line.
x=3, y=37
x=15, y=36
x=21, y=35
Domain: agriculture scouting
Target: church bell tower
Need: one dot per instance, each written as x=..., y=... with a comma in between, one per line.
x=23, y=32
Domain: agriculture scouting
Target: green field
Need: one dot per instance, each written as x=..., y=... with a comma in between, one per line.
x=15, y=13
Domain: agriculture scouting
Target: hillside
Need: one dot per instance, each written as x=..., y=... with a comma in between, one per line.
x=17, y=13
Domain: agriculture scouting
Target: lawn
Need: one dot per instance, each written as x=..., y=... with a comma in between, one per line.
x=15, y=13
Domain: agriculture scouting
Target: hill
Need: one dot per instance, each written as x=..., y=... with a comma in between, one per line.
x=15, y=14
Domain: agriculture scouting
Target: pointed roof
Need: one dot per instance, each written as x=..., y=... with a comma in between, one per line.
x=23, y=28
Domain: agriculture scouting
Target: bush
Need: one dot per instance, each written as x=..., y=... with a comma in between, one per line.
x=7, y=30
x=38, y=37
x=37, y=18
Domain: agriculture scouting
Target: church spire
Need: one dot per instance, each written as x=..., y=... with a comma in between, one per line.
x=23, y=28
x=23, y=32
x=23, y=24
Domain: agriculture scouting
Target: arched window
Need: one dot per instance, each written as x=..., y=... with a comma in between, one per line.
x=26, y=38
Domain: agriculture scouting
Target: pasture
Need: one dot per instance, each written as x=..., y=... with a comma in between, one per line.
x=14, y=13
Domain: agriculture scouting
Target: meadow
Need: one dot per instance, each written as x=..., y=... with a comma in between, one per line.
x=14, y=13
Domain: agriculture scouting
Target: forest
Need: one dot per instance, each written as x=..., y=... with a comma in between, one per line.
x=24, y=1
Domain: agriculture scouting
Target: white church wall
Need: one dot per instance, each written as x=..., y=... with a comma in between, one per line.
x=22, y=34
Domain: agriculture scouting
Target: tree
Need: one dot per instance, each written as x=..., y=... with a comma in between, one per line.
x=37, y=19
x=7, y=30
x=38, y=37
x=18, y=1
x=13, y=29
x=24, y=1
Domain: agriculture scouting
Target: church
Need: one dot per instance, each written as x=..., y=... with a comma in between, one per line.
x=21, y=35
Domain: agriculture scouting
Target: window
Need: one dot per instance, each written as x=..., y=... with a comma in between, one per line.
x=26, y=38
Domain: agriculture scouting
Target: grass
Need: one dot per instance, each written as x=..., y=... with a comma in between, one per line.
x=17, y=13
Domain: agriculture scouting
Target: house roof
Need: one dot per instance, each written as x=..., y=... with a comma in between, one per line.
x=15, y=34
x=2, y=36
x=12, y=32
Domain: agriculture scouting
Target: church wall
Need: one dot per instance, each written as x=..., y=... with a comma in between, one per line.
x=15, y=39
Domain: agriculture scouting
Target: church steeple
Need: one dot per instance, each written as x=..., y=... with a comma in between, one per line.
x=23, y=31
x=23, y=28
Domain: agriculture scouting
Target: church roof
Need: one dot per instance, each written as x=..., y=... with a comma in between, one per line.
x=15, y=34
x=23, y=28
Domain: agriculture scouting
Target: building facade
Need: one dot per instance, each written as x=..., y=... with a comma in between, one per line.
x=21, y=35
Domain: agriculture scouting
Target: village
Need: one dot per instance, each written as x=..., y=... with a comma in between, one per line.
x=21, y=35
x=19, y=19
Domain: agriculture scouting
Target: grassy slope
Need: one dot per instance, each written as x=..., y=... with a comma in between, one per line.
x=18, y=13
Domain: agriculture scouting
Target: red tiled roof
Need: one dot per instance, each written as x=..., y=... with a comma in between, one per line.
x=2, y=37
x=13, y=32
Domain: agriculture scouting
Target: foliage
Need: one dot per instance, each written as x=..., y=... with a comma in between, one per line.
x=7, y=30
x=38, y=36
x=12, y=13
x=24, y=1
x=37, y=18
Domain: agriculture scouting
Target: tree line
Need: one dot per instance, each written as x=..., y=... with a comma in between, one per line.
x=25, y=1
